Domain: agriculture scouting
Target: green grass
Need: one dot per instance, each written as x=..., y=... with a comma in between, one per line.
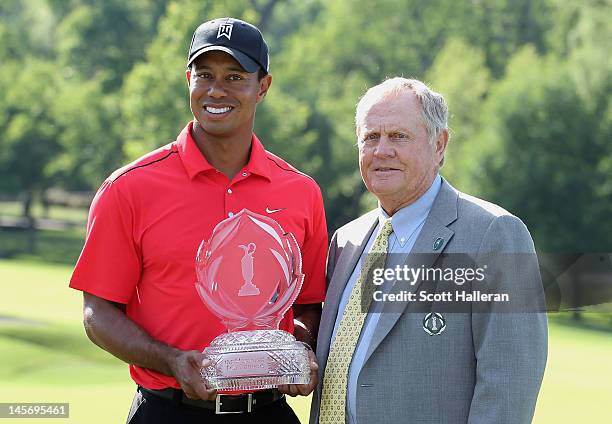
x=578, y=379
x=46, y=357
x=39, y=292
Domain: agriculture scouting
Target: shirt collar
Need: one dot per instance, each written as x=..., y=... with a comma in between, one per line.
x=195, y=162
x=259, y=163
x=406, y=220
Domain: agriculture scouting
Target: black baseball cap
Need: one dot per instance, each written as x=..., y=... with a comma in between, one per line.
x=237, y=38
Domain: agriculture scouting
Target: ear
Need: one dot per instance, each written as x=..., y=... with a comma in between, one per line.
x=441, y=143
x=188, y=75
x=440, y=146
x=264, y=86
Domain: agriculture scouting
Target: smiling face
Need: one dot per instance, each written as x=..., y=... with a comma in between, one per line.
x=396, y=159
x=223, y=96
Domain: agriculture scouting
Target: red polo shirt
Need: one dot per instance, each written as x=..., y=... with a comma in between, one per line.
x=148, y=219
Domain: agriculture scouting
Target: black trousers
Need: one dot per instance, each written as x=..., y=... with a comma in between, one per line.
x=156, y=410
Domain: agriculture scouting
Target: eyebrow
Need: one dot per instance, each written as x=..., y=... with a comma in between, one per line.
x=368, y=132
x=391, y=129
x=394, y=130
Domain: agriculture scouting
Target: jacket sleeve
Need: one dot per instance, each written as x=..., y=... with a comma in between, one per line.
x=510, y=345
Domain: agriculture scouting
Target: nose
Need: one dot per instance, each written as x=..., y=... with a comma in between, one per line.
x=384, y=148
x=216, y=89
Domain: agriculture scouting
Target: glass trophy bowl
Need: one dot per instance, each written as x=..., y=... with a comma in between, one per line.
x=249, y=275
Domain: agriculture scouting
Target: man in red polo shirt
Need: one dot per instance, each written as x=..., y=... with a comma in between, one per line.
x=147, y=220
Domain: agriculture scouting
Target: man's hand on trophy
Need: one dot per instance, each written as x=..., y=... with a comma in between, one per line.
x=186, y=369
x=304, y=389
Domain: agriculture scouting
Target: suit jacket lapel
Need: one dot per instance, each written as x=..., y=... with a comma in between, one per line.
x=435, y=231
x=345, y=264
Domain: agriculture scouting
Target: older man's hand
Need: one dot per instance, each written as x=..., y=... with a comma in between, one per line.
x=304, y=389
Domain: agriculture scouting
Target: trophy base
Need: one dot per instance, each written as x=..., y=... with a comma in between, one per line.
x=253, y=360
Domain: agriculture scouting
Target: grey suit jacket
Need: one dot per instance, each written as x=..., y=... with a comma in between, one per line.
x=484, y=368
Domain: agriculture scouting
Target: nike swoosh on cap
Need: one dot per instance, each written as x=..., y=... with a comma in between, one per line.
x=274, y=210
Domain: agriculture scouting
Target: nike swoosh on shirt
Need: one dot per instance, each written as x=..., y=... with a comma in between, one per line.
x=274, y=210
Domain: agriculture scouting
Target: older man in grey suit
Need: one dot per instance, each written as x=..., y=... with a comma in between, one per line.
x=401, y=364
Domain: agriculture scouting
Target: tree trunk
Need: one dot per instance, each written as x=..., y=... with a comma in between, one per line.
x=30, y=222
x=46, y=204
x=27, y=204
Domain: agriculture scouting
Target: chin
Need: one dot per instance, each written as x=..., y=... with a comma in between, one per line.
x=215, y=129
x=382, y=193
x=384, y=187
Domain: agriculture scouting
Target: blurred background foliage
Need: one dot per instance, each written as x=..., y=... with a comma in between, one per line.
x=90, y=85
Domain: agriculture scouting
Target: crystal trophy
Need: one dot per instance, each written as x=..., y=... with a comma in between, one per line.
x=249, y=274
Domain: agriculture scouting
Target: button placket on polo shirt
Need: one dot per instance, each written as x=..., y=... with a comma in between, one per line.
x=214, y=184
x=231, y=201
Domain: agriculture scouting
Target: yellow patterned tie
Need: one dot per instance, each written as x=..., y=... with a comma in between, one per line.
x=333, y=397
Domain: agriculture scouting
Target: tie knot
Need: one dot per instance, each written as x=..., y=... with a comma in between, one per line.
x=386, y=229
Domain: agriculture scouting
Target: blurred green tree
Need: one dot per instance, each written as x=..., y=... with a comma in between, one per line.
x=551, y=161
x=26, y=30
x=105, y=39
x=29, y=141
x=464, y=83
x=118, y=87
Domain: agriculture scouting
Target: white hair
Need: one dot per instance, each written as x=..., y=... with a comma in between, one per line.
x=434, y=110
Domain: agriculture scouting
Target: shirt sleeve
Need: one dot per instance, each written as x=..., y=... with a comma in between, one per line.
x=109, y=265
x=314, y=252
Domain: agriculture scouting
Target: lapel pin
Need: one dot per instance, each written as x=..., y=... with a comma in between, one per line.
x=438, y=243
x=434, y=323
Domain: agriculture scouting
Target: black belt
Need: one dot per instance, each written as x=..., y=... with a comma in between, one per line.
x=223, y=404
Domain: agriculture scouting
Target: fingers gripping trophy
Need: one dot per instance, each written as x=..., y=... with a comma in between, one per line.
x=249, y=274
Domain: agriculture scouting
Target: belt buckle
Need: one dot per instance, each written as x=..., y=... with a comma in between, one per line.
x=218, y=404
